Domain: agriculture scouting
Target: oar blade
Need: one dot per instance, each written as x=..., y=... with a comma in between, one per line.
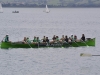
x=85, y=55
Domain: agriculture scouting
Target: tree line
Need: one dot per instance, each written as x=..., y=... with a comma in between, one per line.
x=50, y=6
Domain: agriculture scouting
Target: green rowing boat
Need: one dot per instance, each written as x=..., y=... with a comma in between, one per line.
x=89, y=42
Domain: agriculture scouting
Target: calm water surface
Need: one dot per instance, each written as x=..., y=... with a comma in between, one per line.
x=32, y=22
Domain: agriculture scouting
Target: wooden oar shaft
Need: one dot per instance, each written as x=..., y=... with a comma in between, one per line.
x=95, y=55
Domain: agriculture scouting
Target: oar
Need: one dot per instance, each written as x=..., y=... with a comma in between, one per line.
x=0, y=44
x=84, y=43
x=87, y=55
x=77, y=43
x=2, y=39
x=28, y=44
x=69, y=44
x=38, y=44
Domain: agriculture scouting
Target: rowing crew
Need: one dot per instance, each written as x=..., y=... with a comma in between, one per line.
x=55, y=39
x=45, y=39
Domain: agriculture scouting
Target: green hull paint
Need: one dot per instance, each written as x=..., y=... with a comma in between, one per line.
x=90, y=42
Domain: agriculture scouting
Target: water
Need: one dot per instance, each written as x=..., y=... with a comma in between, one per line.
x=32, y=22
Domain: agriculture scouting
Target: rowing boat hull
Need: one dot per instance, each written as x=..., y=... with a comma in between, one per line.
x=90, y=42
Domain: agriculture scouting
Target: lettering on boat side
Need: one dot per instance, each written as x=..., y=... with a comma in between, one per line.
x=55, y=44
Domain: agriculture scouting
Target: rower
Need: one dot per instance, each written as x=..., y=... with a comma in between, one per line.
x=57, y=39
x=75, y=38
x=54, y=39
x=35, y=39
x=24, y=40
x=44, y=39
x=38, y=40
x=83, y=37
x=66, y=39
x=6, y=38
x=72, y=37
x=28, y=40
x=62, y=39
x=47, y=40
x=69, y=40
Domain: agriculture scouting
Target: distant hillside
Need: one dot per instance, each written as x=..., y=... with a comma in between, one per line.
x=52, y=3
